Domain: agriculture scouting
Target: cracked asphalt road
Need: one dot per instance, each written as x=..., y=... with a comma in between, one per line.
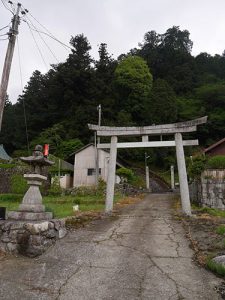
x=141, y=254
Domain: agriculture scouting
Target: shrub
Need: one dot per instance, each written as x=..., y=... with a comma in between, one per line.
x=216, y=162
x=18, y=184
x=126, y=174
x=101, y=189
x=6, y=166
x=196, y=166
x=220, y=230
x=84, y=191
x=10, y=197
x=55, y=188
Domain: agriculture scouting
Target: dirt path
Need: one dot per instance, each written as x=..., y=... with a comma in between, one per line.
x=141, y=254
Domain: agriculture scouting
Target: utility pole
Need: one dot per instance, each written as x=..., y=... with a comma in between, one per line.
x=8, y=60
x=97, y=141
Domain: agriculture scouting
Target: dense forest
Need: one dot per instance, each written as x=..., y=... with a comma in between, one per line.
x=157, y=82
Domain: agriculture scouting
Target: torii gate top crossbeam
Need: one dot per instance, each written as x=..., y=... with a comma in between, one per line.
x=182, y=127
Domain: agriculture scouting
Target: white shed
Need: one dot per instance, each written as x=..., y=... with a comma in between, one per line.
x=84, y=165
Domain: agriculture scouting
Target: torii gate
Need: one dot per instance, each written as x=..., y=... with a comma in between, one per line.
x=167, y=129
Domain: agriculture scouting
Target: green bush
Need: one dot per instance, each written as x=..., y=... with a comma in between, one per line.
x=10, y=197
x=196, y=166
x=216, y=162
x=101, y=189
x=220, y=230
x=126, y=174
x=6, y=166
x=18, y=184
x=84, y=191
x=55, y=188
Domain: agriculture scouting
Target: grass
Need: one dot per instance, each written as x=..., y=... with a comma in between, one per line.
x=215, y=267
x=61, y=206
x=211, y=211
x=220, y=230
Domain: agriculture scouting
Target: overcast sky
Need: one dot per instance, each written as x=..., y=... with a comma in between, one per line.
x=121, y=24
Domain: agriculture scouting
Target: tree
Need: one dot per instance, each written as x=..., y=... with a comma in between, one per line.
x=104, y=75
x=169, y=57
x=176, y=39
x=133, y=83
x=163, y=103
x=66, y=148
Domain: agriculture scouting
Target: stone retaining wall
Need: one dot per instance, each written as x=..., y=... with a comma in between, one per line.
x=210, y=190
x=30, y=238
x=6, y=175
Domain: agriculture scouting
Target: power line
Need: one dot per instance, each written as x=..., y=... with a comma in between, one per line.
x=35, y=29
x=48, y=33
x=39, y=50
x=5, y=27
x=7, y=7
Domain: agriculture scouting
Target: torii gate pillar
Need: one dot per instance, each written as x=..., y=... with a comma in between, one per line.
x=182, y=172
x=111, y=175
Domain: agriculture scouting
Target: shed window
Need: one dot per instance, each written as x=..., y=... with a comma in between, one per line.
x=91, y=171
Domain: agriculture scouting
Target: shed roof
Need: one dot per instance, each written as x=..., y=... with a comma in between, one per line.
x=91, y=144
x=214, y=145
x=3, y=154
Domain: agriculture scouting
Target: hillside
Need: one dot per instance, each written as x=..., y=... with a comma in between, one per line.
x=157, y=82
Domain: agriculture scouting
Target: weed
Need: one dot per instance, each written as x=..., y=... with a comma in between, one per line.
x=18, y=184
x=220, y=230
x=215, y=267
x=212, y=211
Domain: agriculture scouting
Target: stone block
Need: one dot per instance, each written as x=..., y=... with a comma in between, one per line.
x=50, y=234
x=62, y=233
x=36, y=228
x=31, y=207
x=17, y=225
x=29, y=216
x=36, y=240
x=11, y=247
x=51, y=225
x=5, y=238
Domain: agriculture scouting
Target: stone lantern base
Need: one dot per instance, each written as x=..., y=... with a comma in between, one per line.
x=31, y=208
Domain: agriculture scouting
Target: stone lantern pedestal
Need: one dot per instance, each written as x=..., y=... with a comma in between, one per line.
x=31, y=208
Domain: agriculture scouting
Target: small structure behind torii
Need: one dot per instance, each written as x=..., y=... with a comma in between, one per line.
x=176, y=129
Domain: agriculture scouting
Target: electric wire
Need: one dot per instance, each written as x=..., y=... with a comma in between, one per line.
x=39, y=50
x=7, y=7
x=41, y=37
x=5, y=27
x=3, y=39
x=48, y=33
x=24, y=108
x=4, y=34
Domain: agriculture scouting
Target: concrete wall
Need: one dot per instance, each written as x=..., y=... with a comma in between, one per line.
x=66, y=181
x=210, y=189
x=6, y=175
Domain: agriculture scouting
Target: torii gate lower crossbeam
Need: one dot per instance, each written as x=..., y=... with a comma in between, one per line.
x=167, y=129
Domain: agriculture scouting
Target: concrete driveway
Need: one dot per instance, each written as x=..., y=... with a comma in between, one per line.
x=141, y=254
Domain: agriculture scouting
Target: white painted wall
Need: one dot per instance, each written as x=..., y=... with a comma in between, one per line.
x=65, y=181
x=84, y=160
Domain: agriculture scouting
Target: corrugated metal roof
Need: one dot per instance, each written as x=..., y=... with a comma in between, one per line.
x=214, y=145
x=3, y=154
